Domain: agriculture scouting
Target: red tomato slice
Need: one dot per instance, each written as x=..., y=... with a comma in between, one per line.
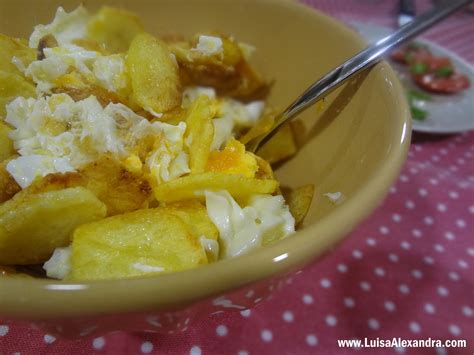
x=407, y=54
x=432, y=63
x=442, y=85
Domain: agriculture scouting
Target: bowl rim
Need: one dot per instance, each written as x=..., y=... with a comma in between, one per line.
x=46, y=299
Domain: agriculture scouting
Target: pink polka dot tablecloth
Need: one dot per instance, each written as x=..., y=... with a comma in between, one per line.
x=407, y=272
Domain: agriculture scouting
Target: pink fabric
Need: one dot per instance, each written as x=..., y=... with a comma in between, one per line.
x=406, y=272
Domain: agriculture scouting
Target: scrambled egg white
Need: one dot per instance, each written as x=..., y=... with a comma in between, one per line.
x=54, y=134
x=244, y=229
x=58, y=266
x=209, y=45
x=65, y=27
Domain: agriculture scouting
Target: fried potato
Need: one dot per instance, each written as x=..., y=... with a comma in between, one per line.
x=281, y=146
x=114, y=28
x=299, y=201
x=194, y=214
x=264, y=170
x=144, y=242
x=233, y=159
x=13, y=47
x=12, y=86
x=200, y=131
x=6, y=144
x=227, y=71
x=154, y=74
x=263, y=125
x=8, y=186
x=120, y=190
x=33, y=225
x=193, y=186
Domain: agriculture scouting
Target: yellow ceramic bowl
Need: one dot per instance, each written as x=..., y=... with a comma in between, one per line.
x=356, y=147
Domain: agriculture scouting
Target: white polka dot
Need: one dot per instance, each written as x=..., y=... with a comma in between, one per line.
x=373, y=324
x=393, y=190
x=365, y=286
x=453, y=168
x=393, y=257
x=454, y=195
x=311, y=340
x=266, y=335
x=441, y=207
x=449, y=235
x=471, y=209
x=379, y=271
x=461, y=223
x=342, y=267
x=49, y=339
x=258, y=300
x=245, y=313
x=467, y=311
x=308, y=299
x=429, y=308
x=98, y=343
x=435, y=158
x=250, y=293
x=384, y=230
x=390, y=306
x=443, y=291
x=403, y=288
x=410, y=204
x=325, y=283
x=4, y=330
x=461, y=161
x=428, y=220
x=454, y=329
x=470, y=251
x=405, y=245
x=357, y=254
x=417, y=274
x=349, y=302
x=196, y=350
x=221, y=330
x=433, y=181
x=428, y=260
x=399, y=349
x=453, y=275
x=331, y=320
x=404, y=178
x=414, y=327
x=418, y=148
x=443, y=151
x=422, y=192
x=463, y=264
x=371, y=241
x=413, y=171
x=441, y=351
x=416, y=233
x=438, y=247
x=146, y=347
x=288, y=316
x=396, y=217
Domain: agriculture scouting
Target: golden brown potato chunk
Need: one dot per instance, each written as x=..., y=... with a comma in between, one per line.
x=193, y=186
x=120, y=190
x=299, y=201
x=144, y=242
x=114, y=28
x=154, y=74
x=8, y=186
x=33, y=225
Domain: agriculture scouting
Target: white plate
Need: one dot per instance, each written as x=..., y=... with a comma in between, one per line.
x=446, y=113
